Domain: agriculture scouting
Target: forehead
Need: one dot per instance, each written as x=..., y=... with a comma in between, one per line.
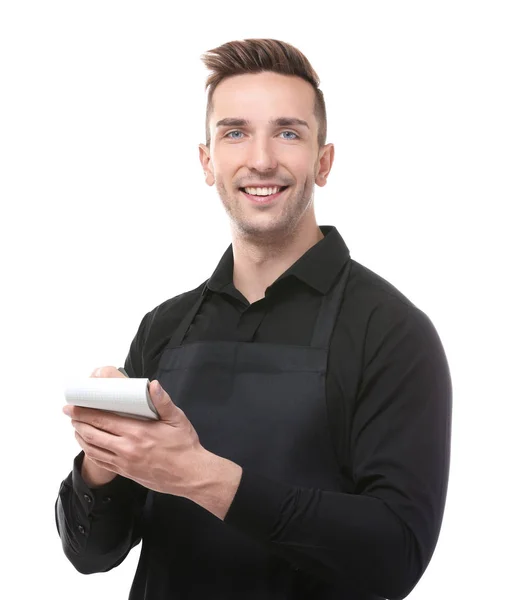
x=262, y=96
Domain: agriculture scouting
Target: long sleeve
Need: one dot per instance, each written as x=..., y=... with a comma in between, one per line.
x=99, y=526
x=381, y=537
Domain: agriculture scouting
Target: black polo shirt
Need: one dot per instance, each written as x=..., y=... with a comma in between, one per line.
x=388, y=397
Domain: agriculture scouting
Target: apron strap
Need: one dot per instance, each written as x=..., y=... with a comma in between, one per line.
x=329, y=310
x=181, y=330
x=325, y=322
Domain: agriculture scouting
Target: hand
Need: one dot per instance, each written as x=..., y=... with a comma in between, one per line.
x=165, y=455
x=92, y=474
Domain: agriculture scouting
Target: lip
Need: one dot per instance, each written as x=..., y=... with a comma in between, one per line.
x=264, y=200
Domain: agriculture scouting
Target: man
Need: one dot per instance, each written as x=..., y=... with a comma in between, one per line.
x=303, y=444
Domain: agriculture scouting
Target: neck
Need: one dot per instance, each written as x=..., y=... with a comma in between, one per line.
x=258, y=264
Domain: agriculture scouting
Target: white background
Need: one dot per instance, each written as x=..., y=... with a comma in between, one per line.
x=104, y=215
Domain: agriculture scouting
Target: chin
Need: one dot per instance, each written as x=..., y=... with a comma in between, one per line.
x=257, y=229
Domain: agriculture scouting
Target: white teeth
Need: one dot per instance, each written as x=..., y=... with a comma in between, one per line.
x=262, y=191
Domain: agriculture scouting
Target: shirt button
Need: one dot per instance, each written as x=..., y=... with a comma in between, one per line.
x=88, y=499
x=81, y=529
x=107, y=499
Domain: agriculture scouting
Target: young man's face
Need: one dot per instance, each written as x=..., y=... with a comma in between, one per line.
x=253, y=147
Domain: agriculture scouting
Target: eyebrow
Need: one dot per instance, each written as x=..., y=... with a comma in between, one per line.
x=280, y=122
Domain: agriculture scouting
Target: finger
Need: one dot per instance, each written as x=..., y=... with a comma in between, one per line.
x=107, y=372
x=94, y=451
x=101, y=419
x=97, y=437
x=167, y=410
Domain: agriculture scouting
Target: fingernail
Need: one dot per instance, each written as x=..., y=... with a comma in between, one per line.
x=67, y=410
x=97, y=373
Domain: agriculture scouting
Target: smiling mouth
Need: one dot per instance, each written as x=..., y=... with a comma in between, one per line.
x=266, y=191
x=264, y=195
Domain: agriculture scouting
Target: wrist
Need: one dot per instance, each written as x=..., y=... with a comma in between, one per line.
x=93, y=475
x=218, y=484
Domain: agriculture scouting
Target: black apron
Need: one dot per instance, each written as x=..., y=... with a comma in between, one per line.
x=262, y=406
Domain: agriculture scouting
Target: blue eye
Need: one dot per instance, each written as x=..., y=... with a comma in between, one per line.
x=233, y=138
x=238, y=137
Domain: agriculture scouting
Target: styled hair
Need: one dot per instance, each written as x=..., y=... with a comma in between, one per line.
x=258, y=56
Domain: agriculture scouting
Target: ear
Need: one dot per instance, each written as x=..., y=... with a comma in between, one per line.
x=325, y=160
x=206, y=163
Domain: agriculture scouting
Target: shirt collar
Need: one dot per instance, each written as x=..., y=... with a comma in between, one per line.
x=318, y=267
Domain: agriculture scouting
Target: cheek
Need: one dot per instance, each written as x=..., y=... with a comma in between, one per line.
x=300, y=163
x=225, y=169
x=304, y=174
x=227, y=157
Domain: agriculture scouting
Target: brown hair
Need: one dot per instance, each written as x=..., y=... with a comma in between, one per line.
x=257, y=56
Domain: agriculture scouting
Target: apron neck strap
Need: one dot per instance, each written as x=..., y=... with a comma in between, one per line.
x=330, y=309
x=324, y=325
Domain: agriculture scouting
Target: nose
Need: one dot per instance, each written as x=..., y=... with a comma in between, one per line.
x=261, y=156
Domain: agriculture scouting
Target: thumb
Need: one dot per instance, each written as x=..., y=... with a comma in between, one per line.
x=165, y=407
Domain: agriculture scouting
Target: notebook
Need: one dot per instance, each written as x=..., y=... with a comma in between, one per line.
x=121, y=395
